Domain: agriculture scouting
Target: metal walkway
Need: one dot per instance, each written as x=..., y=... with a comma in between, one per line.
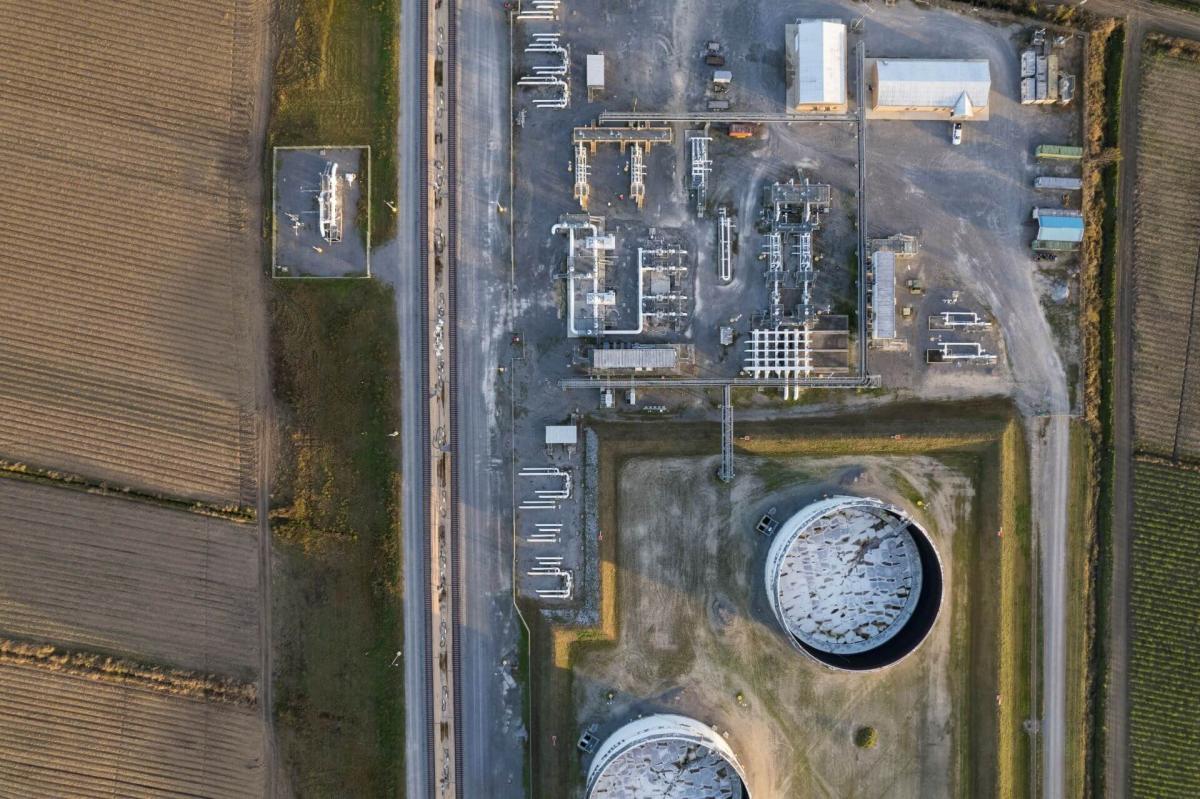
x=610, y=117
x=851, y=381
x=726, y=473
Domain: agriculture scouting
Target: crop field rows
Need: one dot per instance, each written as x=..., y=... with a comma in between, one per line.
x=1166, y=368
x=115, y=575
x=123, y=353
x=66, y=735
x=1164, y=685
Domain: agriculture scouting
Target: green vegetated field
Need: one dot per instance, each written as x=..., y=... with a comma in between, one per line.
x=1164, y=682
x=337, y=596
x=1166, y=368
x=335, y=84
x=949, y=717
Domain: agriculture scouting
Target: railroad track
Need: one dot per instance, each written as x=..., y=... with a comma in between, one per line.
x=447, y=259
x=450, y=70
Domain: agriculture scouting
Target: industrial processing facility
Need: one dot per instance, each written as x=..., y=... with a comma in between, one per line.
x=665, y=756
x=712, y=237
x=854, y=582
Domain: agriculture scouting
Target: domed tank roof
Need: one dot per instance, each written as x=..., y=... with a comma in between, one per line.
x=665, y=756
x=854, y=582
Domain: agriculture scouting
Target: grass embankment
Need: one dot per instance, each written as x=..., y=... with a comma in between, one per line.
x=337, y=595
x=1186, y=5
x=1114, y=57
x=1014, y=695
x=335, y=84
x=998, y=695
x=1054, y=14
x=1104, y=62
x=1080, y=608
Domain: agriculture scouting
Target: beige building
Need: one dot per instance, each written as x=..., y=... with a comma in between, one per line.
x=912, y=88
x=816, y=65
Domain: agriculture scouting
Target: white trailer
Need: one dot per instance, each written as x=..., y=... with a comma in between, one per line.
x=1050, y=182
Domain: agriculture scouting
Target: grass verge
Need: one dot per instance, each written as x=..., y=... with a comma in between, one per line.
x=339, y=687
x=1103, y=75
x=335, y=84
x=1080, y=629
x=1114, y=58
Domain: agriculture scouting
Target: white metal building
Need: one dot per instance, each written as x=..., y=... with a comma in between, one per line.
x=634, y=358
x=562, y=435
x=816, y=63
x=910, y=88
x=665, y=756
x=595, y=75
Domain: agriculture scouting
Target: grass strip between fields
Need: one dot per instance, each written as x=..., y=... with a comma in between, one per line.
x=335, y=85
x=122, y=671
x=1081, y=523
x=1000, y=697
x=1103, y=74
x=339, y=684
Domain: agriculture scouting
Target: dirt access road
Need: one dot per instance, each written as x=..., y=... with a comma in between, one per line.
x=493, y=756
x=1141, y=17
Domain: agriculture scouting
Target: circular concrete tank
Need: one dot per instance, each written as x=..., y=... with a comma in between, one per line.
x=665, y=756
x=854, y=582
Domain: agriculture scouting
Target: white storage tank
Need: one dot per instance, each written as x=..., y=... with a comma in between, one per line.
x=854, y=582
x=665, y=756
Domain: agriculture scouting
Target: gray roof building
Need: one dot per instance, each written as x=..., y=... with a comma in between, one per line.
x=911, y=88
x=883, y=295
x=635, y=358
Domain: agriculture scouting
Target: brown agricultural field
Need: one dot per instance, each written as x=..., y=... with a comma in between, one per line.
x=131, y=138
x=1166, y=371
x=64, y=734
x=116, y=575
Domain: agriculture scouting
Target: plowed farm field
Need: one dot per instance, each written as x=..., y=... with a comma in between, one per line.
x=1166, y=371
x=67, y=735
x=126, y=577
x=131, y=256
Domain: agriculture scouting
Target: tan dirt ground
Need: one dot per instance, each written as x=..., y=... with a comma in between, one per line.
x=695, y=630
x=154, y=584
x=63, y=735
x=132, y=136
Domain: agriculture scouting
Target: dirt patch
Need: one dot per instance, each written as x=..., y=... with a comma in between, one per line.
x=695, y=630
